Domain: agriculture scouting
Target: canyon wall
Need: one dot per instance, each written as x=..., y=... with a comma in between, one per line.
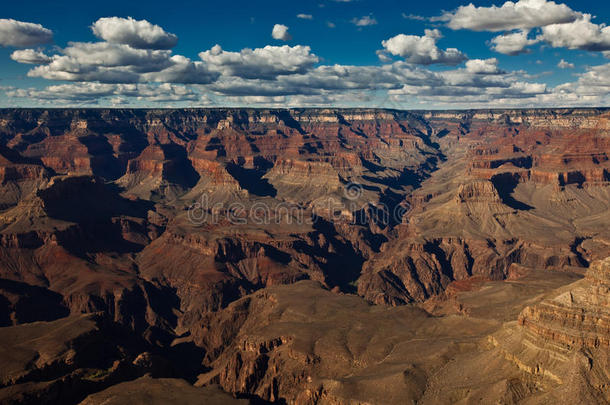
x=163, y=219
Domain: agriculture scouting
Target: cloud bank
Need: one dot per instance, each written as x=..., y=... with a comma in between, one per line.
x=133, y=63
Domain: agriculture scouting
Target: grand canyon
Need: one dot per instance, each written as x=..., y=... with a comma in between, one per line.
x=304, y=256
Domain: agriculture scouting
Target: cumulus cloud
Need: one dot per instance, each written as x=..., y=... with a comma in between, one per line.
x=383, y=56
x=513, y=43
x=560, y=26
x=460, y=86
x=280, y=32
x=580, y=34
x=136, y=33
x=101, y=61
x=23, y=34
x=182, y=70
x=523, y=14
x=423, y=50
x=305, y=16
x=347, y=77
x=133, y=52
x=30, y=56
x=591, y=88
x=166, y=92
x=597, y=78
x=322, y=79
x=565, y=65
x=115, y=55
x=265, y=63
x=595, y=81
x=483, y=66
x=480, y=81
x=364, y=21
x=118, y=63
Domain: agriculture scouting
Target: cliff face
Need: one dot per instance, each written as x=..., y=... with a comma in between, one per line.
x=577, y=318
x=161, y=219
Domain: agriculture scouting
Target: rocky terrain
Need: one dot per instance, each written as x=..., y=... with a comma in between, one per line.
x=304, y=256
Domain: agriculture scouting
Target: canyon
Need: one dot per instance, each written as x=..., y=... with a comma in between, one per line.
x=304, y=256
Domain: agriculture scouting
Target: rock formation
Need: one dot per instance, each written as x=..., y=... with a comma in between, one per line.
x=191, y=230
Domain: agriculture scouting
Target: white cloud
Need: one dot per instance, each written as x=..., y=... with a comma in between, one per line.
x=413, y=17
x=481, y=81
x=166, y=92
x=23, y=34
x=305, y=16
x=591, y=89
x=460, y=87
x=580, y=34
x=483, y=66
x=113, y=55
x=30, y=56
x=280, y=32
x=92, y=93
x=101, y=61
x=334, y=99
x=118, y=63
x=126, y=71
x=182, y=70
x=561, y=26
x=136, y=33
x=266, y=101
x=364, y=21
x=134, y=52
x=346, y=77
x=263, y=63
x=330, y=24
x=595, y=81
x=523, y=14
x=423, y=50
x=565, y=65
x=597, y=77
x=383, y=56
x=118, y=101
x=513, y=43
x=336, y=85
x=328, y=78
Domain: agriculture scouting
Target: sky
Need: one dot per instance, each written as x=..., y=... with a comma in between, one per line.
x=338, y=53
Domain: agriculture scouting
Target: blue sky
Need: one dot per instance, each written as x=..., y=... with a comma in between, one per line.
x=338, y=53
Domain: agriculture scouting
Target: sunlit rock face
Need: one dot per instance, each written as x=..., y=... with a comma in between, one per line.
x=577, y=318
